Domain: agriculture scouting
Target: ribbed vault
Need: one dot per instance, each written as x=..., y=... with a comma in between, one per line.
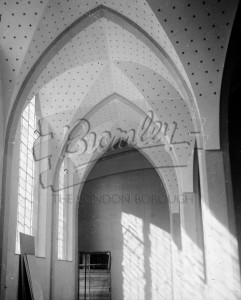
x=106, y=58
x=74, y=55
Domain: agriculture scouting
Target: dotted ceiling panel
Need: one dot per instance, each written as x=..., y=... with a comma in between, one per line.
x=58, y=15
x=123, y=86
x=87, y=95
x=69, y=89
x=129, y=119
x=166, y=104
x=99, y=42
x=120, y=77
x=162, y=98
x=76, y=95
x=199, y=31
x=125, y=46
x=19, y=20
x=88, y=47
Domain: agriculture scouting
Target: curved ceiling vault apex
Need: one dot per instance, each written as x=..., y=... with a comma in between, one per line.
x=64, y=37
x=174, y=206
x=79, y=25
x=61, y=154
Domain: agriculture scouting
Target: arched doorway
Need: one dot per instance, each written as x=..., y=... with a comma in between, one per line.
x=124, y=212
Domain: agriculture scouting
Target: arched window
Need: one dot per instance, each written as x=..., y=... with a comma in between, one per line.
x=26, y=173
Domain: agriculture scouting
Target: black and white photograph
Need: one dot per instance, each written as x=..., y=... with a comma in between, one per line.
x=120, y=150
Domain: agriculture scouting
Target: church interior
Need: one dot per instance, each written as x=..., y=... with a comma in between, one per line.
x=120, y=150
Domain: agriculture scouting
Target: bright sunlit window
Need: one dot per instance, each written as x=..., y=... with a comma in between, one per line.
x=26, y=173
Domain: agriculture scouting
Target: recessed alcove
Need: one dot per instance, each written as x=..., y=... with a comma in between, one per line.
x=128, y=214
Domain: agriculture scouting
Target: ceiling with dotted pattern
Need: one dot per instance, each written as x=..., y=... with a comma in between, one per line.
x=124, y=60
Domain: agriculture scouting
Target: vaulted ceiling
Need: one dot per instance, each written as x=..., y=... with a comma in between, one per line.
x=115, y=61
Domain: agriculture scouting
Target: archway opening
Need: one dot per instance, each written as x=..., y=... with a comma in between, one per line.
x=125, y=212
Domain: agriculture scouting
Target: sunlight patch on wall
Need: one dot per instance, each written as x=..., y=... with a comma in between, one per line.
x=193, y=269
x=160, y=263
x=133, y=258
x=221, y=249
